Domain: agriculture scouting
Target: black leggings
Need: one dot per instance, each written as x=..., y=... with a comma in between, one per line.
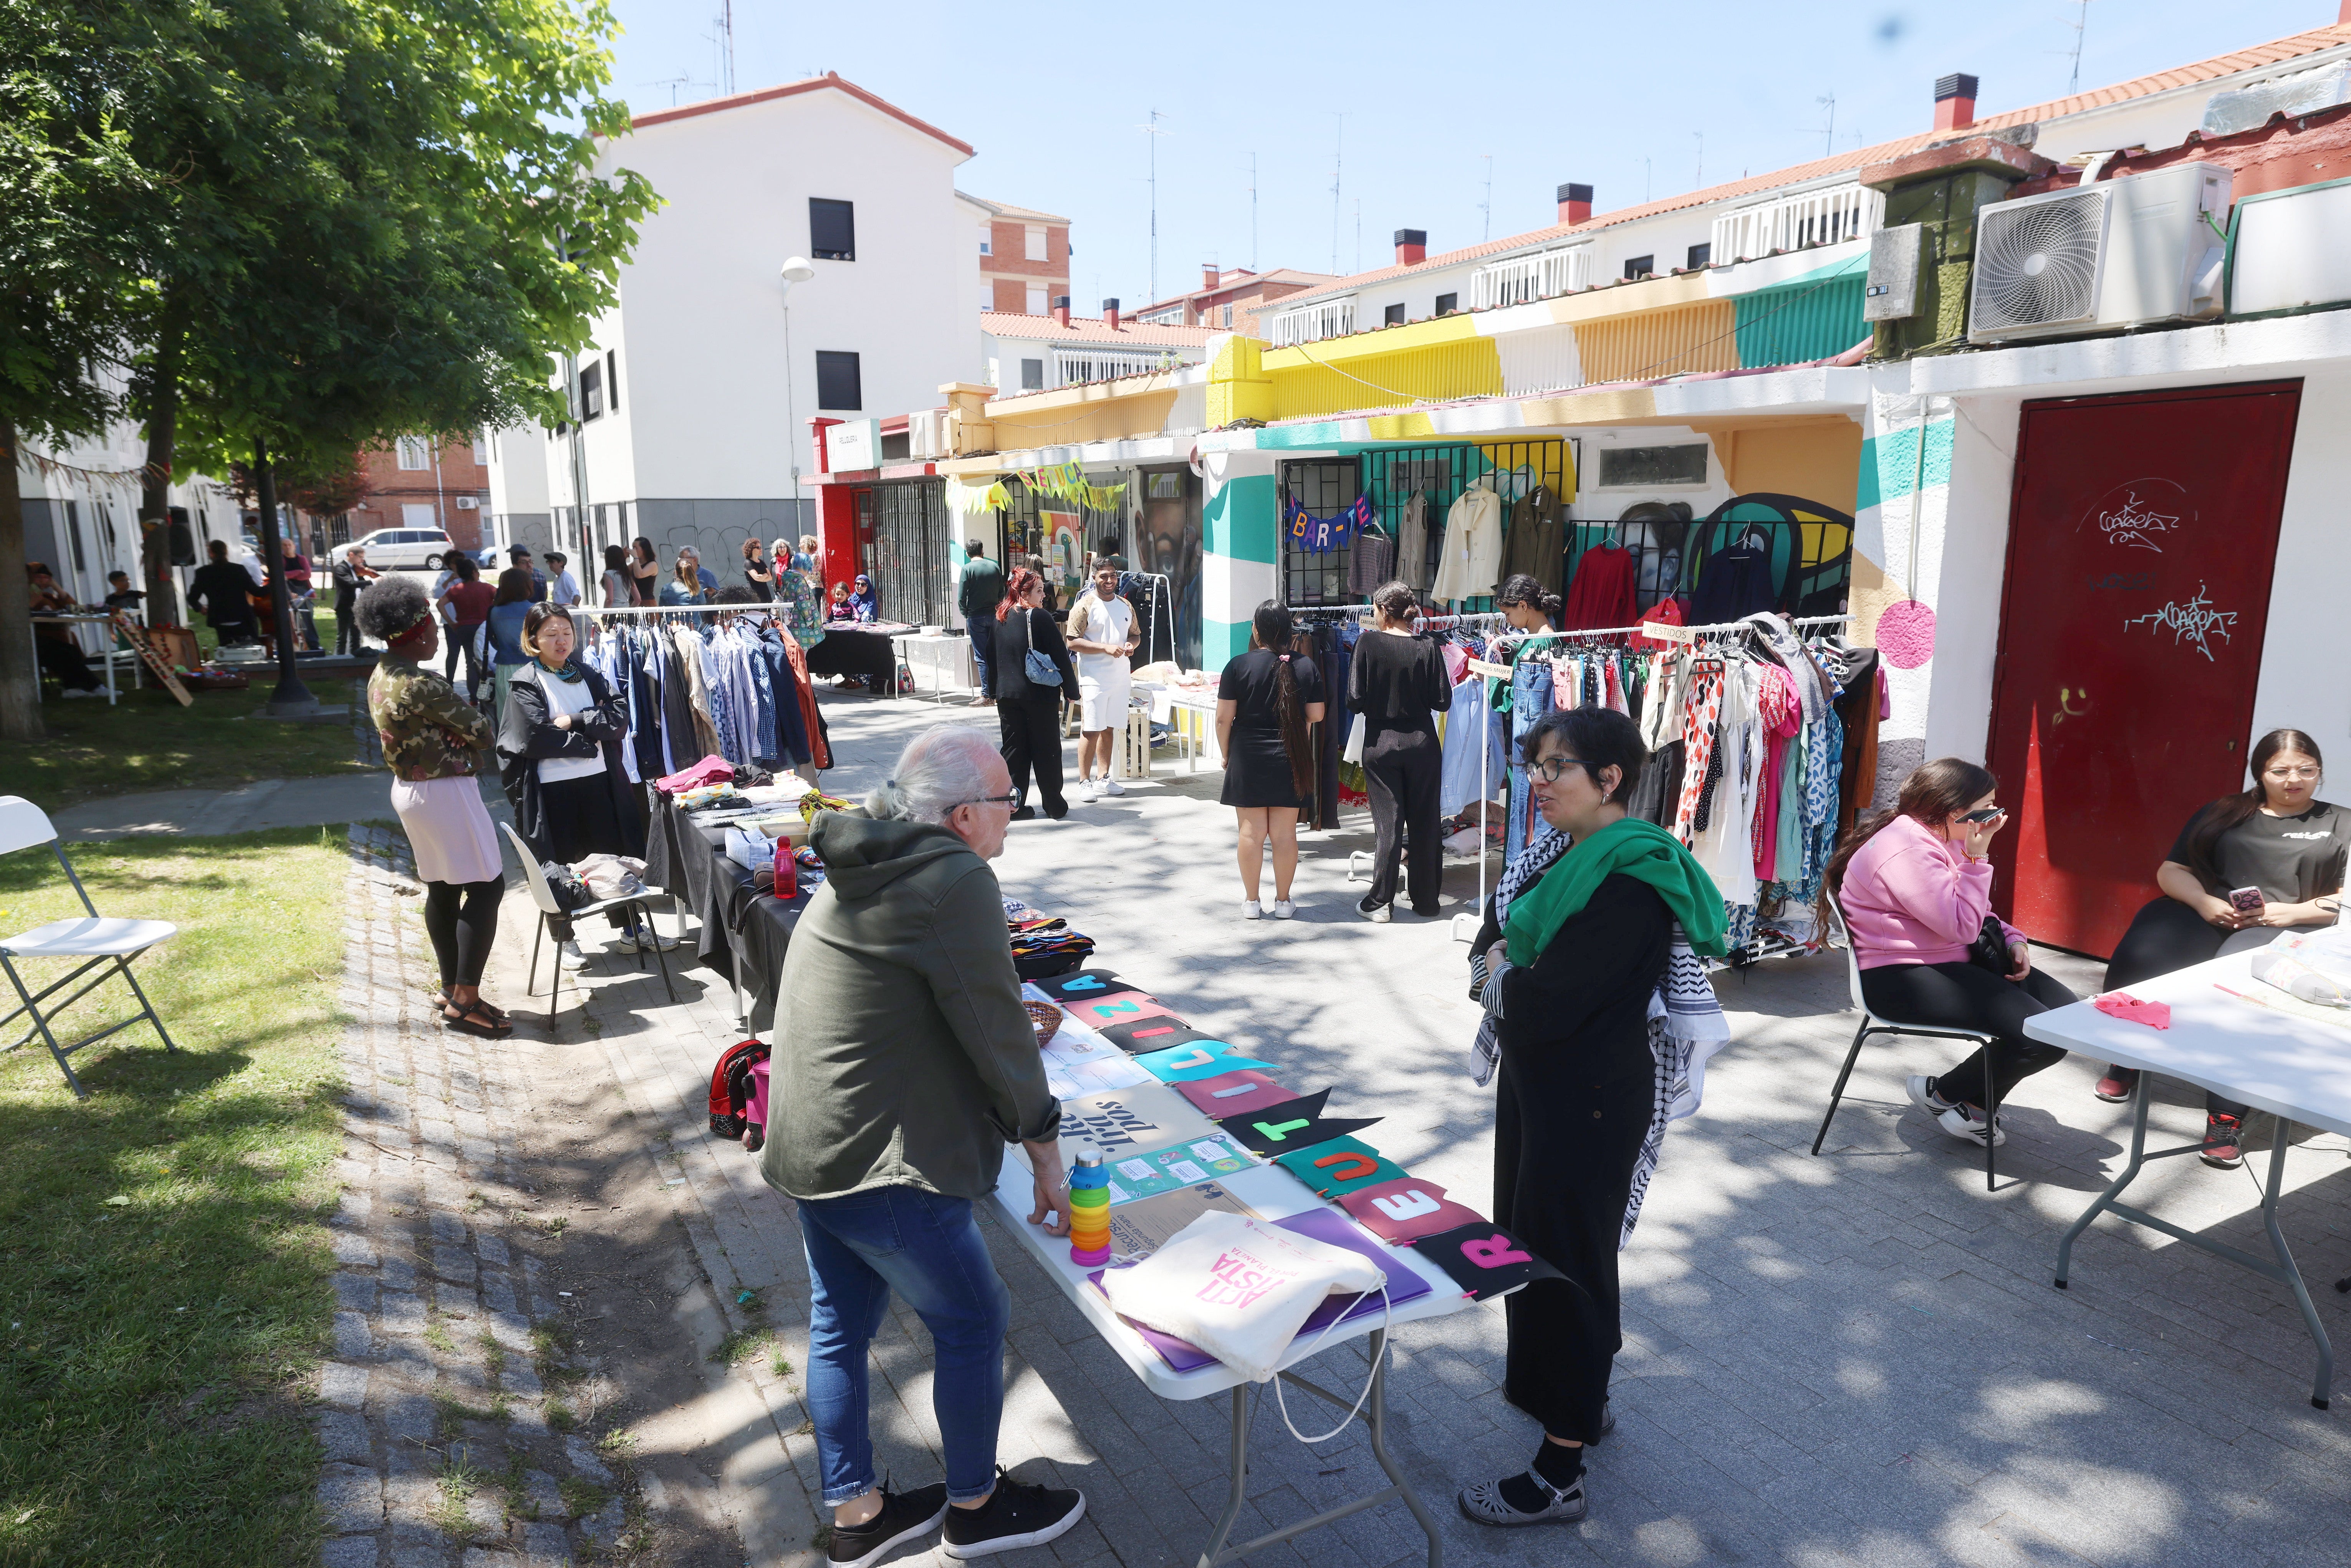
x=1031, y=731
x=1961, y=995
x=462, y=936
x=2166, y=936
x=1403, y=772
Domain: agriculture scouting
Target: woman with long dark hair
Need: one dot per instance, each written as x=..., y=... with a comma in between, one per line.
x=1396, y=682
x=509, y=607
x=1527, y=604
x=466, y=601
x=2247, y=866
x=644, y=571
x=1028, y=711
x=1265, y=702
x=1915, y=885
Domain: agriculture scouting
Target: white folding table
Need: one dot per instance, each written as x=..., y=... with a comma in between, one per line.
x=1274, y=1194
x=2274, y=1058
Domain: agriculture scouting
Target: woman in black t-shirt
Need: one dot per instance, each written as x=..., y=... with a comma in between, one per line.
x=1396, y=681
x=2278, y=839
x=1265, y=701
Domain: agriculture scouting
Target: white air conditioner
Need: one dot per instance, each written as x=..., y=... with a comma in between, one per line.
x=467, y=504
x=2120, y=253
x=926, y=435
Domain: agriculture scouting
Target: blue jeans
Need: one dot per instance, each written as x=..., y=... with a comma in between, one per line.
x=1530, y=700
x=983, y=650
x=925, y=1247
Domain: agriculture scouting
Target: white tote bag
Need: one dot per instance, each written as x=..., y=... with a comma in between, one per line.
x=1354, y=751
x=1237, y=1288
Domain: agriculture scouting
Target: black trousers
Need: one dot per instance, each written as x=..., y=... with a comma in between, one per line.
x=1403, y=770
x=1961, y=995
x=346, y=627
x=1031, y=728
x=64, y=659
x=462, y=919
x=2166, y=936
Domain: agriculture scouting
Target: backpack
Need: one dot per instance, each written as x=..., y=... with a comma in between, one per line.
x=571, y=893
x=730, y=1091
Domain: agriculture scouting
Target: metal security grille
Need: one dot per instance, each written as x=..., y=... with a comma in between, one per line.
x=1322, y=485
x=1392, y=476
x=910, y=551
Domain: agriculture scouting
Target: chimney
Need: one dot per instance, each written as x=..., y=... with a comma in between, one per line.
x=1210, y=277
x=1062, y=308
x=1575, y=203
x=1411, y=247
x=1110, y=314
x=1955, y=101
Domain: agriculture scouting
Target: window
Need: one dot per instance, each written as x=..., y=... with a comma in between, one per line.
x=1640, y=266
x=1036, y=305
x=839, y=384
x=612, y=380
x=986, y=241
x=1700, y=255
x=1312, y=323
x=1032, y=242
x=1032, y=375
x=592, y=391
x=832, y=230
x=1446, y=304
x=1228, y=313
x=73, y=534
x=414, y=453
x=1648, y=466
x=1392, y=316
x=484, y=444
x=988, y=296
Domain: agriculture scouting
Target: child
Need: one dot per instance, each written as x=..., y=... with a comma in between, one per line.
x=841, y=609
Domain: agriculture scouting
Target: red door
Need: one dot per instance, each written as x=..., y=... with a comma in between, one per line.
x=2141, y=538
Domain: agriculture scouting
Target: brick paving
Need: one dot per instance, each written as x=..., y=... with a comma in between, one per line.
x=1856, y=1358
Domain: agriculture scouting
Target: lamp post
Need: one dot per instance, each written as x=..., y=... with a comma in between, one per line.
x=796, y=269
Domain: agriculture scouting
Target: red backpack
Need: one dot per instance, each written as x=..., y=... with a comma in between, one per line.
x=730, y=1089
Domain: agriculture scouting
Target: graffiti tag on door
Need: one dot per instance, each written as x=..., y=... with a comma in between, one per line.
x=2066, y=708
x=2191, y=622
x=2138, y=515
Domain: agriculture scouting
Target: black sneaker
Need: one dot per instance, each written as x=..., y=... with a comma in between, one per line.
x=904, y=1515
x=1015, y=1515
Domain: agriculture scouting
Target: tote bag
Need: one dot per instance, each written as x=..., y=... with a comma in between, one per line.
x=1237, y=1288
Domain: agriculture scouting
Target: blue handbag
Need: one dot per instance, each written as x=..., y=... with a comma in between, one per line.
x=1037, y=664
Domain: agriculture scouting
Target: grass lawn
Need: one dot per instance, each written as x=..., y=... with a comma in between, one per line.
x=148, y=741
x=164, y=1263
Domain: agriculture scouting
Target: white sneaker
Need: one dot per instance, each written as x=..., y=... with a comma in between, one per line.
x=1284, y=910
x=1923, y=1095
x=1113, y=787
x=1252, y=910
x=1379, y=915
x=1089, y=790
x=573, y=958
x=1966, y=1124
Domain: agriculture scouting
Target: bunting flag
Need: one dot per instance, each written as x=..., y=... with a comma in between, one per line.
x=1316, y=536
x=1068, y=482
x=973, y=498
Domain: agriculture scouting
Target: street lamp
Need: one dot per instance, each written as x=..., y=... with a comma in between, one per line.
x=796, y=269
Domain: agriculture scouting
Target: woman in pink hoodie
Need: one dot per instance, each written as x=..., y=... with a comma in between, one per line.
x=1916, y=890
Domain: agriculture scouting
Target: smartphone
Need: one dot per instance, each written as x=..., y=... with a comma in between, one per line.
x=1986, y=815
x=2247, y=899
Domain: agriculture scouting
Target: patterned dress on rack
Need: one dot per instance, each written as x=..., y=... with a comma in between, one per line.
x=1699, y=715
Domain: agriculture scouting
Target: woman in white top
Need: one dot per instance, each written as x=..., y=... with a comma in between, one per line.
x=1101, y=634
x=560, y=742
x=618, y=589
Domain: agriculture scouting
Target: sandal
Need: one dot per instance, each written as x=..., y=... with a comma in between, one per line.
x=440, y=1000
x=478, y=1018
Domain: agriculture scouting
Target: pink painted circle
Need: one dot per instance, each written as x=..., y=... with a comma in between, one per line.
x=1906, y=634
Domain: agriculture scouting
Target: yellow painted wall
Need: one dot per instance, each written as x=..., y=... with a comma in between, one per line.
x=1306, y=386
x=1239, y=387
x=1100, y=415
x=1819, y=459
x=1652, y=343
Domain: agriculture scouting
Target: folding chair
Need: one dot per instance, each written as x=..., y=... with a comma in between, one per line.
x=550, y=911
x=100, y=939
x=1871, y=1023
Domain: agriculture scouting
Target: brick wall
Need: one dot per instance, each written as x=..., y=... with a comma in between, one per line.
x=1010, y=274
x=459, y=474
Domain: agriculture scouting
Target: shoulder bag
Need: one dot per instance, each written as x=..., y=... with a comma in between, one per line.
x=1038, y=664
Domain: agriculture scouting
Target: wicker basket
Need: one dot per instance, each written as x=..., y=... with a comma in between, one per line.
x=1047, y=1020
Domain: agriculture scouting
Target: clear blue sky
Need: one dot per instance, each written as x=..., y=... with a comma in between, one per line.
x=1613, y=96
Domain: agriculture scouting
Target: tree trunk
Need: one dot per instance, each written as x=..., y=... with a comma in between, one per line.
x=156, y=481
x=20, y=674
x=292, y=699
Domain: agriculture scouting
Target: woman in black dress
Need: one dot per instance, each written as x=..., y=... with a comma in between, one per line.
x=1396, y=682
x=1265, y=702
x=1028, y=714
x=1577, y=940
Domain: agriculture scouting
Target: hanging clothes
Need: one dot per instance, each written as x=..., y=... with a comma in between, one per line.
x=1536, y=545
x=1472, y=545
x=1601, y=593
x=1733, y=583
x=1372, y=564
x=1412, y=542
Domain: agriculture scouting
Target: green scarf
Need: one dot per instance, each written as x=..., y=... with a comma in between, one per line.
x=1638, y=848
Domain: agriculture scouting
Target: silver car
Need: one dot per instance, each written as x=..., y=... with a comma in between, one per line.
x=408, y=549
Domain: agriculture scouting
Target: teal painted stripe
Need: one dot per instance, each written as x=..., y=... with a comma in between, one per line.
x=1222, y=641
x=1890, y=462
x=1796, y=323
x=1291, y=436
x=1240, y=520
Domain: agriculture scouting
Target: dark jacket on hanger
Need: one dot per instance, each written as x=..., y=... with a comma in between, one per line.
x=525, y=737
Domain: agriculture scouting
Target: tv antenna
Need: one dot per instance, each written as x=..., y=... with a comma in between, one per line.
x=1487, y=207
x=1151, y=128
x=1828, y=131
x=1338, y=149
x=2081, y=26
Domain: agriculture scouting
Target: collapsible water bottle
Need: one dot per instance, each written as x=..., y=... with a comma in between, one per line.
x=1089, y=1210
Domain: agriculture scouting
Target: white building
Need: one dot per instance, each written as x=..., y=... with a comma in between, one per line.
x=692, y=412
x=1042, y=353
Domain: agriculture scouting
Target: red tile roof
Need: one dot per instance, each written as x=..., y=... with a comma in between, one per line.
x=1092, y=329
x=1234, y=278
x=2219, y=66
x=1006, y=210
x=792, y=89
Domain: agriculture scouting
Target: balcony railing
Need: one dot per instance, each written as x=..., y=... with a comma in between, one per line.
x=1829, y=216
x=1525, y=277
x=1076, y=369
x=1311, y=323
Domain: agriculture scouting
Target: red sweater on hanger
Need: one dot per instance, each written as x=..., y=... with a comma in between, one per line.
x=1601, y=593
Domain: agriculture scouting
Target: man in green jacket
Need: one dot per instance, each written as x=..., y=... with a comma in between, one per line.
x=902, y=1066
x=981, y=592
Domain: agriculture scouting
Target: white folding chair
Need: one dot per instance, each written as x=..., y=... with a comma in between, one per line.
x=100, y=939
x=1841, y=935
x=552, y=911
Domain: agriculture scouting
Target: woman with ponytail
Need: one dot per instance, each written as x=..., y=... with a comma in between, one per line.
x=1915, y=885
x=2248, y=866
x=1265, y=702
x=1028, y=711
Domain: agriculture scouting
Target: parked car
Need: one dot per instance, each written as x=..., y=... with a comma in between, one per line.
x=410, y=549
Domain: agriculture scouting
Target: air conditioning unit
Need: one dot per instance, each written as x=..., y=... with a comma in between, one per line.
x=926, y=435
x=2117, y=253
x=467, y=504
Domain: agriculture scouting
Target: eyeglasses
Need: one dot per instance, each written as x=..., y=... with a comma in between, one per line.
x=2304, y=772
x=1551, y=767
x=1009, y=801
